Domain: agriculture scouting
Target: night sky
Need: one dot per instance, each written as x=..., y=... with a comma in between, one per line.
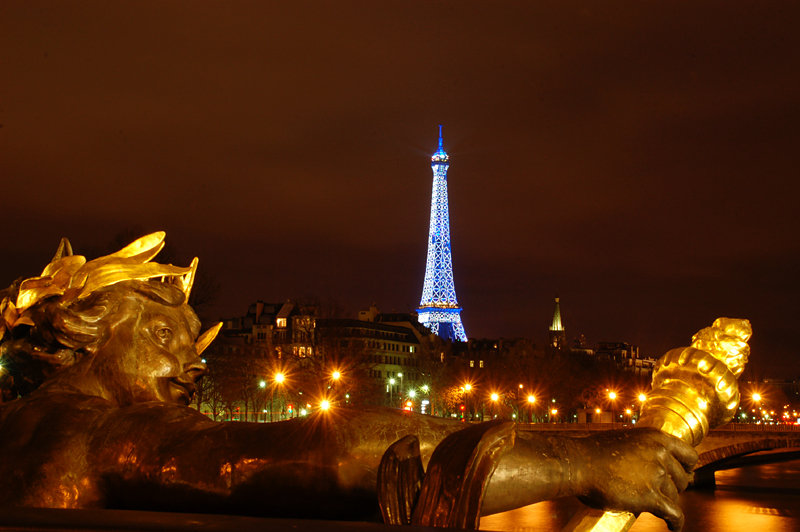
x=638, y=159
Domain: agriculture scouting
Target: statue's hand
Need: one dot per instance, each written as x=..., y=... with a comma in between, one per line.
x=637, y=470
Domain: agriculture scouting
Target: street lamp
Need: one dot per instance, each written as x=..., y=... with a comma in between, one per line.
x=401, y=382
x=391, y=391
x=494, y=398
x=278, y=379
x=613, y=397
x=531, y=401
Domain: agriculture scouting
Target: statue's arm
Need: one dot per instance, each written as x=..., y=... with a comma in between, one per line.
x=164, y=454
x=637, y=470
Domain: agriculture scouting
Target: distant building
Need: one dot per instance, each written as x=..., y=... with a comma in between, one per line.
x=625, y=356
x=390, y=343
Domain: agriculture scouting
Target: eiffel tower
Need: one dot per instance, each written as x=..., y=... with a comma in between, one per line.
x=439, y=310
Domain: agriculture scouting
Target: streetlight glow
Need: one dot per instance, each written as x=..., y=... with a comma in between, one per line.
x=612, y=395
x=425, y=388
x=279, y=377
x=412, y=393
x=531, y=399
x=756, y=397
x=495, y=397
x=325, y=405
x=468, y=386
x=336, y=375
x=262, y=384
x=642, y=397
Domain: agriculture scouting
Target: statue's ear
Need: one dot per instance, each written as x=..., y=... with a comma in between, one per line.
x=206, y=338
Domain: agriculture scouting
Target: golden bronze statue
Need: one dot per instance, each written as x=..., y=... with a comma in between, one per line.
x=105, y=356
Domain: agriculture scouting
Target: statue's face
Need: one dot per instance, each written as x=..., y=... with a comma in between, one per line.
x=150, y=355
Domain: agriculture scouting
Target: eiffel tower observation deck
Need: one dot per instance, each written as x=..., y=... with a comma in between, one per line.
x=439, y=309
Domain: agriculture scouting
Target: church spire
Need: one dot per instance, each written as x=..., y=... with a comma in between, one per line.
x=557, y=318
x=558, y=337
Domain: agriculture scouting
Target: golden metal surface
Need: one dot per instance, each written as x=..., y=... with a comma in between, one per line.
x=694, y=389
x=110, y=358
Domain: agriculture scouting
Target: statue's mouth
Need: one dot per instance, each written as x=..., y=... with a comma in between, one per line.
x=183, y=390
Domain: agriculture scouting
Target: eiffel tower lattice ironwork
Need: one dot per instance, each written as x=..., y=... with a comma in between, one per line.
x=439, y=309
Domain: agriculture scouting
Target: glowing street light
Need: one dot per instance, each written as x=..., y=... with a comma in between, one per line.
x=412, y=393
x=531, y=399
x=325, y=405
x=612, y=395
x=495, y=397
x=756, y=397
x=642, y=397
x=279, y=378
x=468, y=387
x=336, y=375
x=425, y=388
x=262, y=384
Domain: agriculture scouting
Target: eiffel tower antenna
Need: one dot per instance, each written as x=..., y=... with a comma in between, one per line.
x=439, y=309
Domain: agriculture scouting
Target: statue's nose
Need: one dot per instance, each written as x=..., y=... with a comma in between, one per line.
x=196, y=368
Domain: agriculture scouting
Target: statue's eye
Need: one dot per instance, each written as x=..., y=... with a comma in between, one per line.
x=164, y=334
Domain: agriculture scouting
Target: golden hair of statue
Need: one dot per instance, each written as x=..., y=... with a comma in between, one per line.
x=71, y=278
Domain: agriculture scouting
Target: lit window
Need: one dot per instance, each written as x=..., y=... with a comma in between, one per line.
x=280, y=322
x=481, y=363
x=472, y=363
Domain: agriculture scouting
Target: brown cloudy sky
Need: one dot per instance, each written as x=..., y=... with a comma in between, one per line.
x=640, y=159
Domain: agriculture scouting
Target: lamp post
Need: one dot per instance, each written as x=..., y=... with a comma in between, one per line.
x=277, y=380
x=467, y=388
x=391, y=392
x=531, y=402
x=494, y=397
x=612, y=396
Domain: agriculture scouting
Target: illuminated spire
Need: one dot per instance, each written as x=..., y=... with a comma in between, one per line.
x=439, y=309
x=557, y=318
x=558, y=337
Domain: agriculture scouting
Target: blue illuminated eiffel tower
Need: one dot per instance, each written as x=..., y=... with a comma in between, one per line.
x=439, y=309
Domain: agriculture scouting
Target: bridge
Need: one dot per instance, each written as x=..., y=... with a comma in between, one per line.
x=729, y=447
